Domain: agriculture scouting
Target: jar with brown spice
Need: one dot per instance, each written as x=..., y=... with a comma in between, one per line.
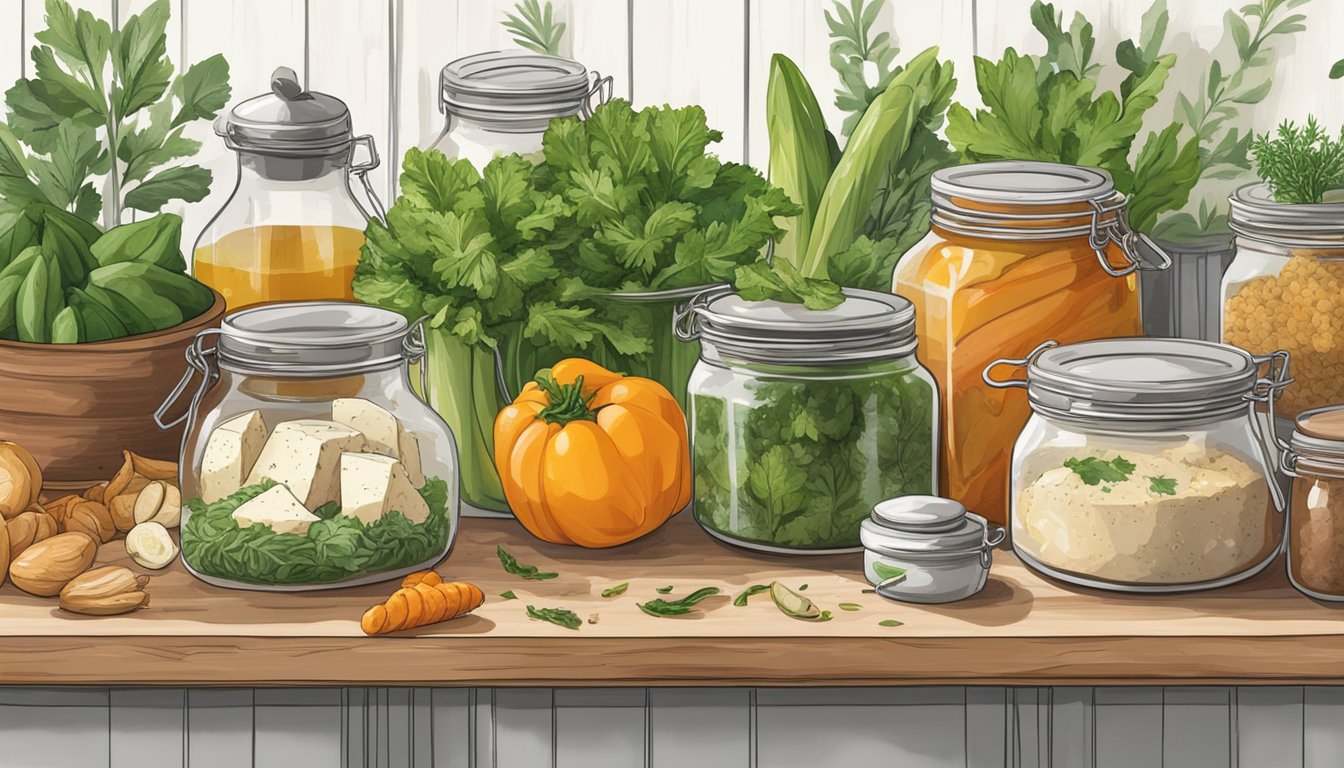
x=1285, y=290
x=1315, y=459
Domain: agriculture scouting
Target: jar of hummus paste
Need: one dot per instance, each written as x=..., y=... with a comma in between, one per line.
x=1147, y=464
x=1315, y=459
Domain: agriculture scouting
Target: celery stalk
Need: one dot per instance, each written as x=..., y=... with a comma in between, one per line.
x=800, y=162
x=878, y=142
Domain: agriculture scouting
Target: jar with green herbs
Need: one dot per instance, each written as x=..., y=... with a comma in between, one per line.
x=803, y=419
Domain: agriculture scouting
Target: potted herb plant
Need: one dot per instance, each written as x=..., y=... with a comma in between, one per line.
x=94, y=320
x=1184, y=300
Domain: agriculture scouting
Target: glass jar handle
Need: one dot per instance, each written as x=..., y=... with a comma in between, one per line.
x=1119, y=232
x=361, y=172
x=1267, y=390
x=1022, y=363
x=198, y=361
x=603, y=89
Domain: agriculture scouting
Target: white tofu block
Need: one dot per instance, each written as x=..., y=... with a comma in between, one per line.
x=410, y=458
x=230, y=453
x=277, y=508
x=305, y=456
x=384, y=432
x=373, y=485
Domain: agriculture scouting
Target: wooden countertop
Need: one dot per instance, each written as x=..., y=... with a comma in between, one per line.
x=1021, y=629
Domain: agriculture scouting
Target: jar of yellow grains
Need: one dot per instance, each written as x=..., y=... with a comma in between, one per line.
x=1285, y=291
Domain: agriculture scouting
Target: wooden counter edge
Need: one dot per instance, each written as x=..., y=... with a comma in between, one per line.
x=581, y=662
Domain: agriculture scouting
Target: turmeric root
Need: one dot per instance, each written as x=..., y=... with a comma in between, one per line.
x=424, y=598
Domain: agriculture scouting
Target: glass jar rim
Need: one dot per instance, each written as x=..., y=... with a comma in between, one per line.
x=312, y=339
x=515, y=91
x=1024, y=200
x=1255, y=214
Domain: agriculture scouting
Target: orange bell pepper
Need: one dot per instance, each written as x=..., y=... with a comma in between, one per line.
x=591, y=457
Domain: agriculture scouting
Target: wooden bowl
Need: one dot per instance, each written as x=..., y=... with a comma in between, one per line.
x=76, y=406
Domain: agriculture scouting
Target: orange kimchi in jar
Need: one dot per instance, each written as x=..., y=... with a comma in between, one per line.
x=1018, y=252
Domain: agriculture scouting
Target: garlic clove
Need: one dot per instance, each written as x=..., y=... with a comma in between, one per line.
x=150, y=546
x=148, y=502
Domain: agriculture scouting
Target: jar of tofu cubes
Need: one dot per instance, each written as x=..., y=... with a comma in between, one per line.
x=308, y=462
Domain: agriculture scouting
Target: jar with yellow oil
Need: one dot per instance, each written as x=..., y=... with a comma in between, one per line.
x=293, y=227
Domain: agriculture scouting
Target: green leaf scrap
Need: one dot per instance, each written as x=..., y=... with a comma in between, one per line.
x=560, y=617
x=1162, y=486
x=1095, y=471
x=661, y=607
x=754, y=589
x=511, y=565
x=618, y=589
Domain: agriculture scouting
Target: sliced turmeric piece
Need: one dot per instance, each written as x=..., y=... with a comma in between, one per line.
x=425, y=599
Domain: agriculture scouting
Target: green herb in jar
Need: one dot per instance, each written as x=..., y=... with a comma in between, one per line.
x=1095, y=471
x=335, y=548
x=1162, y=486
x=804, y=465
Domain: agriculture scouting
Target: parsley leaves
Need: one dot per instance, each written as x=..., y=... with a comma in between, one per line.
x=1162, y=486
x=661, y=607
x=1095, y=471
x=561, y=617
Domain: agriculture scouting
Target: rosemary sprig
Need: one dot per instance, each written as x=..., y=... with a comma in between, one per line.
x=1300, y=164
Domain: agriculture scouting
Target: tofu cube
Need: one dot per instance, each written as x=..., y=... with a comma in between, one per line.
x=305, y=456
x=384, y=432
x=277, y=508
x=230, y=453
x=373, y=485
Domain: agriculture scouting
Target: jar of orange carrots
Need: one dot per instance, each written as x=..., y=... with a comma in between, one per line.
x=293, y=228
x=1018, y=252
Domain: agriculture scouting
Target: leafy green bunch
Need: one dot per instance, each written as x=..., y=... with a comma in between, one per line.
x=1212, y=111
x=624, y=201
x=1048, y=108
x=1300, y=164
x=104, y=102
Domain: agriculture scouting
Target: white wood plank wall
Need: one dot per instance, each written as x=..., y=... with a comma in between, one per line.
x=949, y=727
x=383, y=56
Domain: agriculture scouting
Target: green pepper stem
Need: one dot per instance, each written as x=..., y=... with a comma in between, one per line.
x=567, y=402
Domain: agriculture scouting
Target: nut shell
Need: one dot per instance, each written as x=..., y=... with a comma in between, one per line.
x=122, y=509
x=44, y=568
x=20, y=480
x=105, y=591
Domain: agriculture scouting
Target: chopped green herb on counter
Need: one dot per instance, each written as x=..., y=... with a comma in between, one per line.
x=1095, y=471
x=890, y=623
x=661, y=607
x=508, y=595
x=754, y=589
x=512, y=565
x=1106, y=489
x=561, y=617
x=803, y=588
x=664, y=590
x=1162, y=486
x=619, y=589
x=850, y=607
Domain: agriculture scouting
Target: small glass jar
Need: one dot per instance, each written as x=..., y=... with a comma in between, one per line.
x=293, y=227
x=1145, y=466
x=314, y=397
x=926, y=549
x=802, y=420
x=1314, y=458
x=1016, y=252
x=1285, y=290
x=500, y=102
